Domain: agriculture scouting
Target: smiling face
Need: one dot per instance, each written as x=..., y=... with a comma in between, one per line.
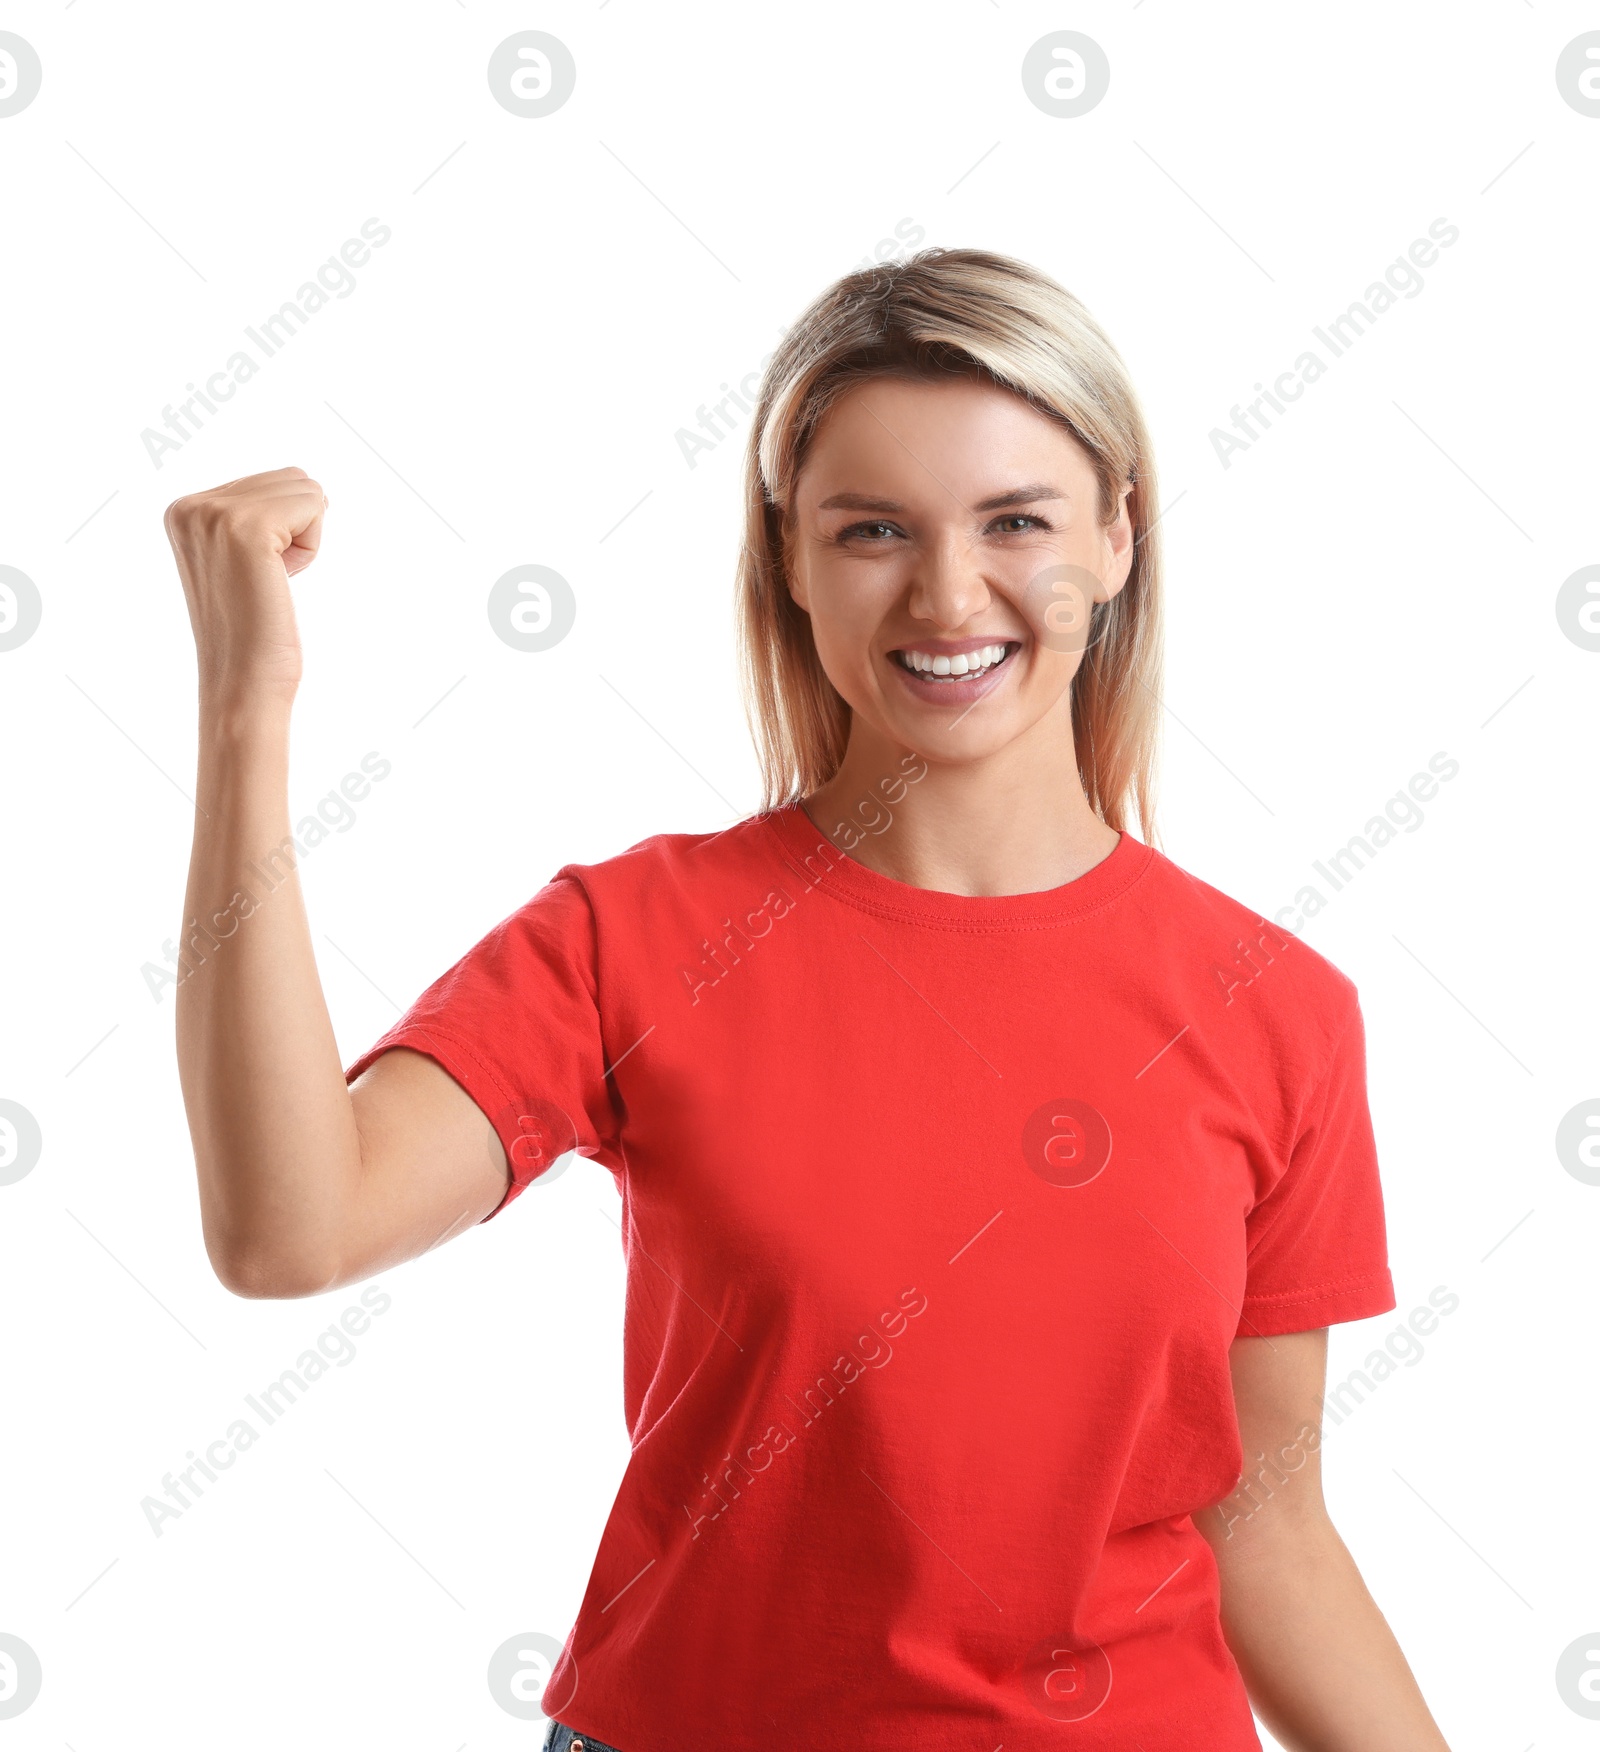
x=946, y=543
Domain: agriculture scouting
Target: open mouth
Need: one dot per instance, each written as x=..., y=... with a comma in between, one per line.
x=939, y=667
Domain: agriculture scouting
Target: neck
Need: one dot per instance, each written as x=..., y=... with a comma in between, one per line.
x=1015, y=822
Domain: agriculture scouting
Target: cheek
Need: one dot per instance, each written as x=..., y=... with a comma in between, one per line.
x=847, y=607
x=1051, y=673
x=1057, y=601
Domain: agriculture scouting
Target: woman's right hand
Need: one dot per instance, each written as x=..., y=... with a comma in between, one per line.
x=237, y=546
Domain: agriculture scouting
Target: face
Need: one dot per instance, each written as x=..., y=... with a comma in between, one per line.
x=948, y=549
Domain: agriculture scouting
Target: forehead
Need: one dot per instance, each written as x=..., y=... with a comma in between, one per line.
x=916, y=438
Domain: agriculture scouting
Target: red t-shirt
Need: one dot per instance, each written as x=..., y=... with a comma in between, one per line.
x=940, y=1215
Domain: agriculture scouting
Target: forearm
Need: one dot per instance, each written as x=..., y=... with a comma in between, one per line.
x=276, y=1146
x=1322, y=1667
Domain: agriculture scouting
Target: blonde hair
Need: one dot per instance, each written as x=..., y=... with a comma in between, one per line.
x=945, y=311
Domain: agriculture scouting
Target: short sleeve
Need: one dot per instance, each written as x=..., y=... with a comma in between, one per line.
x=1316, y=1250
x=516, y=1023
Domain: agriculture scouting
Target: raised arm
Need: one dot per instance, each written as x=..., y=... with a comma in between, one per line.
x=305, y=1184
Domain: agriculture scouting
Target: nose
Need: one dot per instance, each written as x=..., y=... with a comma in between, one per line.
x=948, y=587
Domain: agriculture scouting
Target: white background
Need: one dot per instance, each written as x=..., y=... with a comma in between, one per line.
x=1373, y=582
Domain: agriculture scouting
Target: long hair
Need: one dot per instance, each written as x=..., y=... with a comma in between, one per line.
x=942, y=311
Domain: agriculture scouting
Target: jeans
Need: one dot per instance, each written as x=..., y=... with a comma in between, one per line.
x=558, y=1739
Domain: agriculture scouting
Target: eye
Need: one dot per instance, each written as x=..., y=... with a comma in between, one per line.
x=867, y=531
x=1022, y=517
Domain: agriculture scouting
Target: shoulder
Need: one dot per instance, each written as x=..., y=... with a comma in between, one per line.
x=1243, y=958
x=692, y=866
x=612, y=920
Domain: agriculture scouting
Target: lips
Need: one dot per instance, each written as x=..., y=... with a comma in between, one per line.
x=953, y=669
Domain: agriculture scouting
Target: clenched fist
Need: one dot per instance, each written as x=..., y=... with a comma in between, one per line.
x=237, y=546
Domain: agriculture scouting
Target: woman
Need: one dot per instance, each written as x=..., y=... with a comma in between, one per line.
x=988, y=1183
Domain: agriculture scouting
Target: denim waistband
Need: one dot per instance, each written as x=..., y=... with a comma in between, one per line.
x=559, y=1738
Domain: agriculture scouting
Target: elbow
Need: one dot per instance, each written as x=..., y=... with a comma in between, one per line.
x=245, y=1277
x=258, y=1277
x=1285, y=1532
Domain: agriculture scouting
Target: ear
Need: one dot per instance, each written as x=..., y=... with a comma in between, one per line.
x=1118, y=537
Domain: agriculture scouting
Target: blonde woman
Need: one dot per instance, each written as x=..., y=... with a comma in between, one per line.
x=987, y=1182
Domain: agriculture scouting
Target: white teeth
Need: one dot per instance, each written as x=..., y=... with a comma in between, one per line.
x=963, y=663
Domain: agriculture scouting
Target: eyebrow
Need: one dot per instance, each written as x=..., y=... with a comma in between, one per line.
x=1029, y=495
